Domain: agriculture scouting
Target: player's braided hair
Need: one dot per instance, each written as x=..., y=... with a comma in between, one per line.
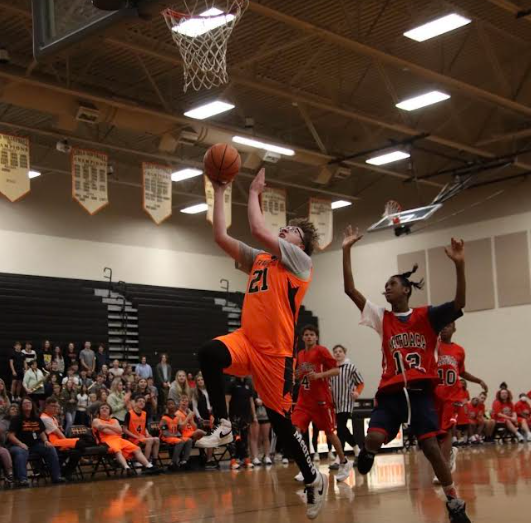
x=406, y=282
x=310, y=234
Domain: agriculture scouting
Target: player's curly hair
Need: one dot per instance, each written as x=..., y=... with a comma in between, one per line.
x=310, y=234
x=406, y=282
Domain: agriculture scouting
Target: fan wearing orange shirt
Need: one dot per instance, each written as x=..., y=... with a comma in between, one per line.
x=136, y=430
x=523, y=412
x=171, y=435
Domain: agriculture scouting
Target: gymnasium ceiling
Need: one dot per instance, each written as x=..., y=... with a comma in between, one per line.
x=322, y=77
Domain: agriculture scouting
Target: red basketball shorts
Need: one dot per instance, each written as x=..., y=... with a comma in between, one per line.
x=321, y=415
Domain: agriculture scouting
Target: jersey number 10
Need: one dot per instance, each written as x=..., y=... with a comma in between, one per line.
x=259, y=281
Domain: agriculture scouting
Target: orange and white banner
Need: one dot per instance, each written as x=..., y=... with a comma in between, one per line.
x=209, y=194
x=321, y=216
x=14, y=166
x=274, y=208
x=89, y=179
x=156, y=181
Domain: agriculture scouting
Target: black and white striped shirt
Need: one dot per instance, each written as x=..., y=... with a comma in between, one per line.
x=342, y=386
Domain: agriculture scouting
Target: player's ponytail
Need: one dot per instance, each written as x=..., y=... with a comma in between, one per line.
x=405, y=279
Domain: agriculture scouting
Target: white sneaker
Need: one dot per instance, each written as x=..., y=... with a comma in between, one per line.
x=285, y=461
x=316, y=457
x=222, y=435
x=267, y=461
x=257, y=462
x=331, y=455
x=529, y=436
x=316, y=495
x=344, y=471
x=453, y=456
x=520, y=437
x=356, y=451
x=299, y=477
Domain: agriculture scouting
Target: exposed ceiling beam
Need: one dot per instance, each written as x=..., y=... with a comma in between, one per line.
x=357, y=47
x=517, y=135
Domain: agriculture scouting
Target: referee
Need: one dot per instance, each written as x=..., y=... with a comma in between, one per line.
x=346, y=388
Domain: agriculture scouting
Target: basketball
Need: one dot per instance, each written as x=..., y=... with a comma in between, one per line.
x=222, y=163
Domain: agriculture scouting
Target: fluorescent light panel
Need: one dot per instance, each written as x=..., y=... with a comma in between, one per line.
x=262, y=145
x=185, y=174
x=387, y=158
x=33, y=174
x=433, y=97
x=340, y=203
x=437, y=27
x=196, y=27
x=208, y=110
x=195, y=209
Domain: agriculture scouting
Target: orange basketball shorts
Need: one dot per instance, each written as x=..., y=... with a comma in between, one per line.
x=272, y=375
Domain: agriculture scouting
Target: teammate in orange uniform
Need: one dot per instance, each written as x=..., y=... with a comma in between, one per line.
x=315, y=365
x=523, y=411
x=187, y=425
x=136, y=430
x=109, y=432
x=450, y=394
x=263, y=346
x=171, y=435
x=408, y=340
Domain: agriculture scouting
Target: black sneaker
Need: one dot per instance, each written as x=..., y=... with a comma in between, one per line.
x=457, y=511
x=9, y=480
x=211, y=465
x=365, y=461
x=23, y=483
x=58, y=481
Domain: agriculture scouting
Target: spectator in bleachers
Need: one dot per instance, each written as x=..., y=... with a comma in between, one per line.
x=154, y=391
x=71, y=376
x=33, y=382
x=101, y=398
x=5, y=457
x=107, y=378
x=16, y=365
x=45, y=355
x=191, y=381
x=143, y=369
x=5, y=402
x=201, y=403
x=58, y=358
x=260, y=434
x=523, y=412
x=119, y=400
x=128, y=376
x=28, y=438
x=69, y=404
x=484, y=417
x=504, y=414
x=242, y=414
x=187, y=425
x=71, y=355
x=109, y=432
x=98, y=384
x=102, y=358
x=179, y=386
x=57, y=390
x=150, y=400
x=135, y=428
x=48, y=385
x=116, y=371
x=170, y=434
x=163, y=375
x=29, y=354
x=92, y=407
x=82, y=405
x=84, y=379
x=87, y=359
x=54, y=371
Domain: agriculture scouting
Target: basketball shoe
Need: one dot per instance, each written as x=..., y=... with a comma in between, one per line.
x=457, y=511
x=316, y=495
x=222, y=435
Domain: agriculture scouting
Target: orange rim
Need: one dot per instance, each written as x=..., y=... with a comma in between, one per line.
x=168, y=12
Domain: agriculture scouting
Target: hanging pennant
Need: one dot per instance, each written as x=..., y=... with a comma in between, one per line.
x=89, y=179
x=209, y=194
x=14, y=166
x=156, y=181
x=321, y=216
x=274, y=208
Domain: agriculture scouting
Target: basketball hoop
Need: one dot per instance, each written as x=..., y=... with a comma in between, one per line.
x=392, y=207
x=202, y=35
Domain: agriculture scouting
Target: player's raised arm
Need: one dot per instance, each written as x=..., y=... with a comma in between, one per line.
x=350, y=238
x=226, y=242
x=256, y=219
x=456, y=252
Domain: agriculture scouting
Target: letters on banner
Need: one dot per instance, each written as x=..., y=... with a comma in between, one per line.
x=157, y=198
x=209, y=194
x=274, y=208
x=321, y=216
x=89, y=179
x=14, y=166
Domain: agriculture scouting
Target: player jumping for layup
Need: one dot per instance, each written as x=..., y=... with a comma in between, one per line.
x=409, y=341
x=263, y=346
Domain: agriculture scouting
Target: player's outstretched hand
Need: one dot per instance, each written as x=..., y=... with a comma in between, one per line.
x=350, y=237
x=219, y=187
x=456, y=251
x=258, y=184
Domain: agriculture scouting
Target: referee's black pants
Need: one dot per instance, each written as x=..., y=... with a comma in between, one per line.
x=344, y=435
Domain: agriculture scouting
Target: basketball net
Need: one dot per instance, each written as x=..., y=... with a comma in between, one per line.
x=392, y=207
x=202, y=34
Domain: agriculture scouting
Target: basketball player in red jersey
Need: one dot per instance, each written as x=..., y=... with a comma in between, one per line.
x=409, y=341
x=449, y=394
x=315, y=365
x=263, y=346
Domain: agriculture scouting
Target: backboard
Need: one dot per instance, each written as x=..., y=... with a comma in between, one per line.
x=60, y=23
x=405, y=218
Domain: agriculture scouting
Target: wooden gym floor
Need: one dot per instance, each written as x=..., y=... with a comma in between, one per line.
x=495, y=481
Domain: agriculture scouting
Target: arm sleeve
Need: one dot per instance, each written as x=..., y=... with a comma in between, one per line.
x=295, y=260
x=442, y=315
x=372, y=316
x=247, y=257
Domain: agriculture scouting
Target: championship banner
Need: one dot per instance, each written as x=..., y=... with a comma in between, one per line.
x=156, y=181
x=321, y=216
x=209, y=194
x=14, y=166
x=274, y=208
x=89, y=179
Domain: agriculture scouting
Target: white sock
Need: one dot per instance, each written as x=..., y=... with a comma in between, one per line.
x=149, y=465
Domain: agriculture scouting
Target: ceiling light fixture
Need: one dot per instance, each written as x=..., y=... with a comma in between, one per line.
x=185, y=174
x=207, y=110
x=33, y=174
x=394, y=156
x=340, y=203
x=196, y=27
x=195, y=209
x=423, y=100
x=437, y=27
x=263, y=145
